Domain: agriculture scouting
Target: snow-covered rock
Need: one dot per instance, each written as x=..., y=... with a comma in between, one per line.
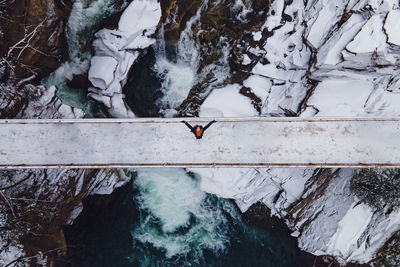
x=277, y=187
x=370, y=39
x=46, y=105
x=327, y=17
x=340, y=98
x=140, y=15
x=227, y=102
x=101, y=72
x=392, y=26
x=117, y=50
x=350, y=228
x=353, y=71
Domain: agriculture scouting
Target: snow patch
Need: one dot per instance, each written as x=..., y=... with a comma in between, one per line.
x=227, y=102
x=392, y=26
x=371, y=37
x=101, y=72
x=341, y=97
x=350, y=228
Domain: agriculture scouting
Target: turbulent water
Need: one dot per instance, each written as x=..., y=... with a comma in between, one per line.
x=177, y=224
x=82, y=24
x=177, y=69
x=180, y=225
x=164, y=219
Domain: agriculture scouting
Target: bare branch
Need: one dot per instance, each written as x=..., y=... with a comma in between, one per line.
x=25, y=40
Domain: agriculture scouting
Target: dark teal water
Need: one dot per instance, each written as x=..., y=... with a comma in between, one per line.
x=164, y=219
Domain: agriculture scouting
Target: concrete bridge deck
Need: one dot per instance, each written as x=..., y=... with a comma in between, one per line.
x=230, y=142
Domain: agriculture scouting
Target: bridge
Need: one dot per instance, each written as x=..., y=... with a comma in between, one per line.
x=230, y=142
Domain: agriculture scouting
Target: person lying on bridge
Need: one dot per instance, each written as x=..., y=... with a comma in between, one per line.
x=198, y=130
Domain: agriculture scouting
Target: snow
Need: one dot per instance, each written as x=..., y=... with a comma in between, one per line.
x=74, y=214
x=327, y=17
x=244, y=142
x=119, y=108
x=10, y=253
x=330, y=51
x=371, y=37
x=117, y=50
x=248, y=186
x=275, y=15
x=350, y=229
x=101, y=72
x=246, y=60
x=392, y=26
x=356, y=74
x=257, y=36
x=140, y=15
x=108, y=181
x=341, y=97
x=227, y=102
x=259, y=85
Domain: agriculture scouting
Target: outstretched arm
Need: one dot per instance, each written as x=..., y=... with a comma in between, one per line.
x=188, y=125
x=209, y=124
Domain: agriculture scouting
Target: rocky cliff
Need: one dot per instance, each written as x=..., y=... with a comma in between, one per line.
x=237, y=58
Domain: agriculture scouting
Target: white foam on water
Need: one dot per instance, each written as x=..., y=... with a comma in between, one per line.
x=181, y=218
x=79, y=31
x=178, y=79
x=178, y=76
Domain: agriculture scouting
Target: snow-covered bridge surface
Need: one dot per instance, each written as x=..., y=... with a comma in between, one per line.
x=228, y=142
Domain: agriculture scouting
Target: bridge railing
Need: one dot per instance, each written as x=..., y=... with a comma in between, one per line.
x=230, y=142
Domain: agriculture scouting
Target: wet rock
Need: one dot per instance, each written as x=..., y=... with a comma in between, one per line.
x=174, y=19
x=222, y=32
x=259, y=215
x=79, y=81
x=11, y=102
x=223, y=20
